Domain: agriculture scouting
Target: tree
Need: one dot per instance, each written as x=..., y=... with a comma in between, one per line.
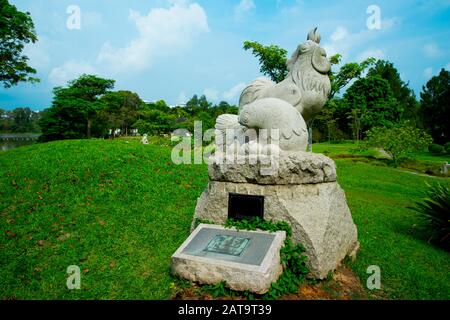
x=400, y=141
x=22, y=120
x=435, y=106
x=196, y=105
x=369, y=102
x=16, y=30
x=272, y=59
x=401, y=91
x=346, y=73
x=155, y=122
x=74, y=108
x=120, y=109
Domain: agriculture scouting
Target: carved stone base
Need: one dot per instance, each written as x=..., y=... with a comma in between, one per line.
x=317, y=212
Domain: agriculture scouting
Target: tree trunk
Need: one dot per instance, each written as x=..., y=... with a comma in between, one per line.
x=89, y=126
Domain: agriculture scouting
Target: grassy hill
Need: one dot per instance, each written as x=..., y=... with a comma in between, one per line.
x=119, y=210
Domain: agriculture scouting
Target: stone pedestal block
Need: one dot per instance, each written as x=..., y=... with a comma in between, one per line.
x=317, y=212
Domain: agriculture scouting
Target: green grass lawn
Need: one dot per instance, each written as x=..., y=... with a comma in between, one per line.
x=119, y=210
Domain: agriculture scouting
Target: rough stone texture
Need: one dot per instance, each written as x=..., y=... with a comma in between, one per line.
x=317, y=212
x=238, y=276
x=293, y=168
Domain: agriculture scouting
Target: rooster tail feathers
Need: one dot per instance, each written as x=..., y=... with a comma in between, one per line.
x=226, y=121
x=254, y=91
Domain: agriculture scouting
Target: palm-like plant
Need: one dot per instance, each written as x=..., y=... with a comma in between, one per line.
x=435, y=210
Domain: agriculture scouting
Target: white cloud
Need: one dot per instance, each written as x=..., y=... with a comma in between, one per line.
x=68, y=71
x=341, y=41
x=428, y=73
x=374, y=53
x=243, y=7
x=447, y=66
x=339, y=34
x=432, y=50
x=161, y=32
x=211, y=94
x=234, y=92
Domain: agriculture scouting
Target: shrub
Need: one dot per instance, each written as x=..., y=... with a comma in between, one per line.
x=436, y=148
x=400, y=141
x=435, y=210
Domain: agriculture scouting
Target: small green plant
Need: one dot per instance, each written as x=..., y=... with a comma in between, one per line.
x=218, y=289
x=291, y=256
x=258, y=223
x=435, y=209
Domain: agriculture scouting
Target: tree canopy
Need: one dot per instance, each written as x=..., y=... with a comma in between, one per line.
x=74, y=108
x=435, y=106
x=16, y=30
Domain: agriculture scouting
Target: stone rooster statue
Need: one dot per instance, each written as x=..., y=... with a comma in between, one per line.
x=286, y=105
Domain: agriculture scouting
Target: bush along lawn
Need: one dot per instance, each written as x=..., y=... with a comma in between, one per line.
x=119, y=210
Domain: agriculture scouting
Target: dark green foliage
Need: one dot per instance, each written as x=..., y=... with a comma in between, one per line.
x=435, y=106
x=435, y=211
x=20, y=120
x=258, y=223
x=400, y=90
x=346, y=73
x=436, y=148
x=158, y=118
x=447, y=147
x=371, y=103
x=16, y=30
x=74, y=109
x=119, y=110
x=218, y=290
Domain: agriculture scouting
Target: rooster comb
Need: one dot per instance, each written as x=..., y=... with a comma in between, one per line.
x=314, y=35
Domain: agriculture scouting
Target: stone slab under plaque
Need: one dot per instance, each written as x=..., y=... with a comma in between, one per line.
x=245, y=260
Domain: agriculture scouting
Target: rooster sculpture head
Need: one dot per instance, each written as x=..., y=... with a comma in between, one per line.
x=311, y=52
x=307, y=85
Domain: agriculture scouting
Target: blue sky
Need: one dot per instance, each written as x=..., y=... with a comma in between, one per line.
x=172, y=49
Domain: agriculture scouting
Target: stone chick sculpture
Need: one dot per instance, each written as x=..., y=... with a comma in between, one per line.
x=285, y=105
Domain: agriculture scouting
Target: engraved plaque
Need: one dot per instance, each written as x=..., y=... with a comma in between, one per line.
x=227, y=244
